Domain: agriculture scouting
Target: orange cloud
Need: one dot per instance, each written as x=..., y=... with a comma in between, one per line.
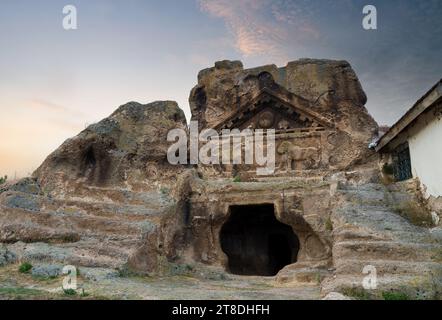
x=262, y=27
x=253, y=35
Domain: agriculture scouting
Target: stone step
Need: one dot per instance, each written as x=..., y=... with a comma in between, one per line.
x=87, y=253
x=377, y=197
x=373, y=187
x=154, y=207
x=355, y=212
x=386, y=250
x=383, y=234
x=115, y=195
x=94, y=226
x=44, y=226
x=388, y=267
x=352, y=285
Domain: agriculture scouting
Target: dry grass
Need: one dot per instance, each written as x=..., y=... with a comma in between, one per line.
x=414, y=213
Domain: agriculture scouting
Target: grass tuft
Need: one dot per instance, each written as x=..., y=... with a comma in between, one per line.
x=328, y=224
x=69, y=292
x=237, y=179
x=395, y=295
x=25, y=267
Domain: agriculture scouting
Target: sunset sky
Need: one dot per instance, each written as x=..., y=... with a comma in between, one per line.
x=54, y=82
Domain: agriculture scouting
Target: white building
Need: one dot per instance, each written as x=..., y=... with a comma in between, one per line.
x=413, y=145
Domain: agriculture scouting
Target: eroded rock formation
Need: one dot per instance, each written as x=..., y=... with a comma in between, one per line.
x=109, y=198
x=316, y=95
x=127, y=149
x=101, y=194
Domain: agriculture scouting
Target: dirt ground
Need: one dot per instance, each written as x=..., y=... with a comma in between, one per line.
x=107, y=285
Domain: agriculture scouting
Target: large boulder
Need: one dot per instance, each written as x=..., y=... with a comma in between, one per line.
x=129, y=148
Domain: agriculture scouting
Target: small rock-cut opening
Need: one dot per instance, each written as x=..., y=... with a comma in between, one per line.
x=256, y=243
x=89, y=158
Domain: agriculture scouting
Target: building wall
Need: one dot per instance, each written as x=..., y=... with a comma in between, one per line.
x=426, y=154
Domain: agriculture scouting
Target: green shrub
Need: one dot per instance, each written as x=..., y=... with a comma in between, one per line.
x=357, y=293
x=83, y=293
x=25, y=267
x=328, y=224
x=318, y=278
x=3, y=179
x=70, y=292
x=237, y=179
x=395, y=295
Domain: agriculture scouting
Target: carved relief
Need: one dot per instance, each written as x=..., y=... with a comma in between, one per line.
x=266, y=120
x=283, y=124
x=301, y=134
x=278, y=120
x=297, y=158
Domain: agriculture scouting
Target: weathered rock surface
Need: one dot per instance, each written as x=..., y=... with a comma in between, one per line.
x=369, y=231
x=336, y=296
x=47, y=270
x=326, y=87
x=6, y=256
x=325, y=83
x=127, y=149
x=96, y=198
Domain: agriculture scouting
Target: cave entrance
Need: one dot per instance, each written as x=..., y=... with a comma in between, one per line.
x=255, y=242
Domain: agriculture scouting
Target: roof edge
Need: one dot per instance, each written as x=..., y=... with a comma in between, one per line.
x=426, y=101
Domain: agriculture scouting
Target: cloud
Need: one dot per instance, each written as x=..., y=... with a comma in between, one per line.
x=261, y=27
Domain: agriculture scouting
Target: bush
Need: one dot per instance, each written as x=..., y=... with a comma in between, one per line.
x=329, y=224
x=394, y=295
x=237, y=179
x=3, y=179
x=25, y=267
x=357, y=293
x=84, y=293
x=70, y=292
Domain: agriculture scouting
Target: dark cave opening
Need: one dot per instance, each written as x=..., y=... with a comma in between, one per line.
x=89, y=158
x=256, y=243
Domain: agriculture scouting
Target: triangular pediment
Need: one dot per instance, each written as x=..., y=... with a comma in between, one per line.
x=272, y=111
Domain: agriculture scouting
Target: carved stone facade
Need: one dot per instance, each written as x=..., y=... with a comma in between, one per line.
x=321, y=127
x=303, y=208
x=314, y=137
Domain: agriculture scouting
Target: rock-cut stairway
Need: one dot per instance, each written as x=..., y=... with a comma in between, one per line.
x=369, y=231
